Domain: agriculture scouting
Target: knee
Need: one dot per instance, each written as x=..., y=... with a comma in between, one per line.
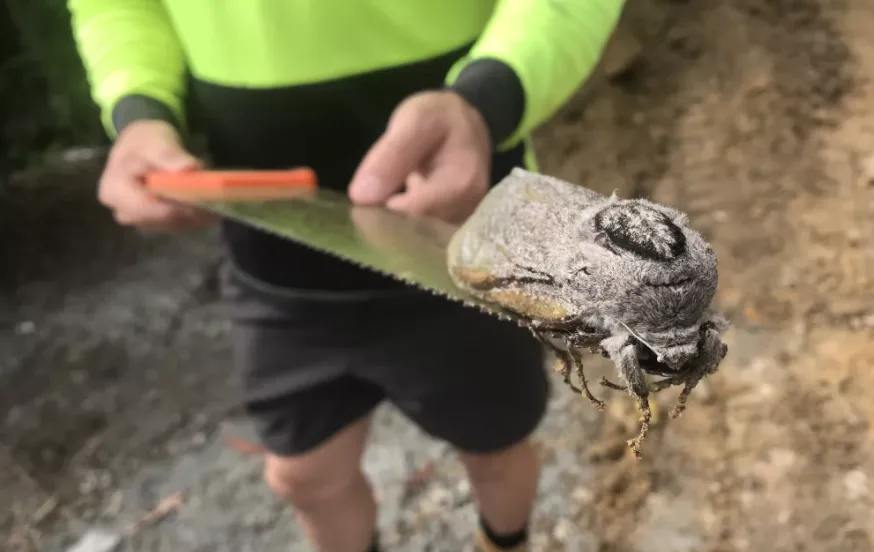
x=308, y=482
x=501, y=464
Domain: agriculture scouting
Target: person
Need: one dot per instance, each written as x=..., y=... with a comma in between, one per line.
x=416, y=105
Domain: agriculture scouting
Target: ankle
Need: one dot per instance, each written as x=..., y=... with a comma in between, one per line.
x=374, y=544
x=503, y=541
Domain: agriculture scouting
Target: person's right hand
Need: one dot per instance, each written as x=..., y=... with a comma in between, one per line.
x=143, y=147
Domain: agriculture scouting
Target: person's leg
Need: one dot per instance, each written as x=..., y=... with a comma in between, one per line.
x=311, y=415
x=480, y=384
x=504, y=487
x=332, y=499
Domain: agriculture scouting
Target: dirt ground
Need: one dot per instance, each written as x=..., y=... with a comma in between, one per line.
x=754, y=116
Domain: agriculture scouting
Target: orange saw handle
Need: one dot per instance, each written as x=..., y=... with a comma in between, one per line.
x=229, y=181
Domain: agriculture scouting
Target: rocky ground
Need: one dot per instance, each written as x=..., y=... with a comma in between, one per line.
x=755, y=116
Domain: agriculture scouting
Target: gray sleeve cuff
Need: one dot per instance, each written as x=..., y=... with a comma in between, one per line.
x=494, y=89
x=137, y=108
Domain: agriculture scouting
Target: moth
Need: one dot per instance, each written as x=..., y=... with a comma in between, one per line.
x=583, y=271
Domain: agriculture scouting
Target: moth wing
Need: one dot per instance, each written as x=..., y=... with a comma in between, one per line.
x=543, y=305
x=505, y=250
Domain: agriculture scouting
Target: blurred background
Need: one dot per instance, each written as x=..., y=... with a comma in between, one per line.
x=754, y=116
x=45, y=98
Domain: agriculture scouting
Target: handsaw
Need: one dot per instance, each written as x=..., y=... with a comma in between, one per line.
x=290, y=204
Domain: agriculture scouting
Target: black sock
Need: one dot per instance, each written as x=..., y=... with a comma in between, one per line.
x=374, y=544
x=503, y=541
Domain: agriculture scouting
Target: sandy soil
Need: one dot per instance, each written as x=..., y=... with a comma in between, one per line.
x=755, y=116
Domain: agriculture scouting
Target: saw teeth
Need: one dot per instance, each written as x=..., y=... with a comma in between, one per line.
x=397, y=277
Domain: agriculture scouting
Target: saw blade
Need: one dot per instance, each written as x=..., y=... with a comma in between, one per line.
x=407, y=248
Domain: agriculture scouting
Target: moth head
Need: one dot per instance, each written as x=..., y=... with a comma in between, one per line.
x=651, y=275
x=696, y=348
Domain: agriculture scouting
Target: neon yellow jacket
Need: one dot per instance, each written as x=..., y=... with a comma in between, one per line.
x=144, y=47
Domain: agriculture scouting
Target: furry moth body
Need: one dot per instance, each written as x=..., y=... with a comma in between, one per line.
x=626, y=277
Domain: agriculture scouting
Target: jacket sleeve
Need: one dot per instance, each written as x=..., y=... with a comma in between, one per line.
x=133, y=59
x=530, y=59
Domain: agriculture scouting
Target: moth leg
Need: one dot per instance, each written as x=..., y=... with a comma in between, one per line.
x=645, y=419
x=689, y=381
x=629, y=368
x=578, y=362
x=567, y=360
x=680, y=406
x=564, y=360
x=663, y=384
x=653, y=387
x=610, y=385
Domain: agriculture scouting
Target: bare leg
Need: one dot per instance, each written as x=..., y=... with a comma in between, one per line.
x=332, y=499
x=504, y=485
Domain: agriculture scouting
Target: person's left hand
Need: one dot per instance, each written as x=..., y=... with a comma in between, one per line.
x=433, y=159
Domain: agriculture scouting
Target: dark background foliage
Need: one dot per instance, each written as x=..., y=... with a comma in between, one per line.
x=45, y=103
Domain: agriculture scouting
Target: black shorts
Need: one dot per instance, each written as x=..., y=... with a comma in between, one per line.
x=312, y=364
x=320, y=342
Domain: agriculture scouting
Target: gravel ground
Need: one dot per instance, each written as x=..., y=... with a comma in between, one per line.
x=754, y=116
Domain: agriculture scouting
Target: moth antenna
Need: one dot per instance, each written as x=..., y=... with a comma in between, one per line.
x=658, y=355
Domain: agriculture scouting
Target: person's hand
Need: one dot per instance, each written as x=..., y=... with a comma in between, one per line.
x=143, y=147
x=433, y=159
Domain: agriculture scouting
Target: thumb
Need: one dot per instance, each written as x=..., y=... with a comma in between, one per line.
x=406, y=143
x=170, y=155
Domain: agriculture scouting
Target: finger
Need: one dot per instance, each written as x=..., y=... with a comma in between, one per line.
x=402, y=201
x=169, y=155
x=122, y=188
x=180, y=218
x=196, y=218
x=410, y=138
x=175, y=223
x=143, y=214
x=137, y=207
x=122, y=191
x=447, y=192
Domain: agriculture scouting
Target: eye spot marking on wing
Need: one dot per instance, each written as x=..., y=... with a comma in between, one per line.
x=642, y=231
